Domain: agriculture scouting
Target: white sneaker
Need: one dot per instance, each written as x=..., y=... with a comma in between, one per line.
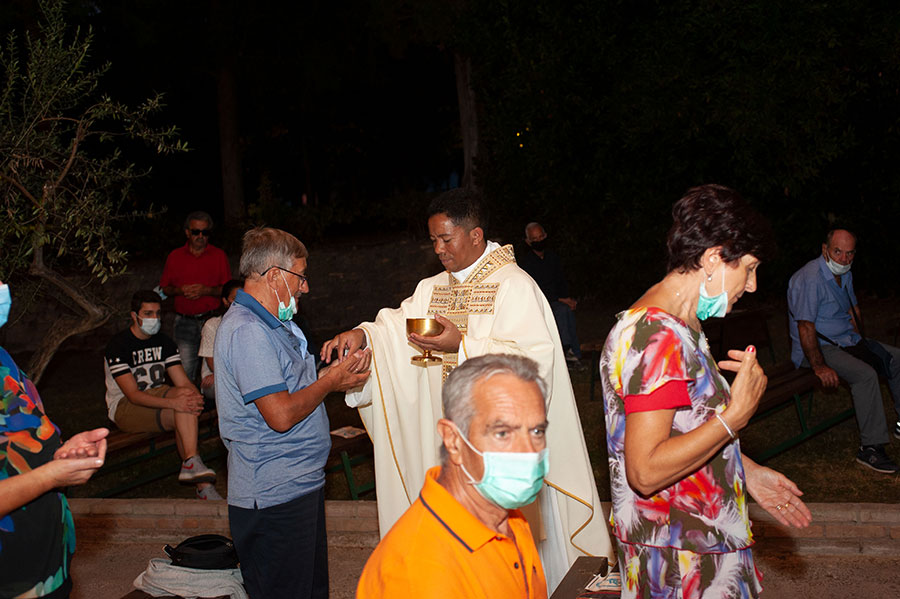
x=209, y=493
x=193, y=470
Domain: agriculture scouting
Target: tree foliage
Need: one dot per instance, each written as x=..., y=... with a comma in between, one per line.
x=596, y=116
x=63, y=174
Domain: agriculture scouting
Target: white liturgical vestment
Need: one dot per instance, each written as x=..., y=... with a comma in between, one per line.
x=498, y=308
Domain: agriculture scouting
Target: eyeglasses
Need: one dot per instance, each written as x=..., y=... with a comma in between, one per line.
x=195, y=232
x=303, y=278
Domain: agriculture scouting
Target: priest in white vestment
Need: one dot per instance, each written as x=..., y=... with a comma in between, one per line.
x=487, y=304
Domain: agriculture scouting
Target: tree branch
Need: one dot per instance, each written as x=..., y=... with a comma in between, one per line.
x=79, y=135
x=21, y=188
x=78, y=296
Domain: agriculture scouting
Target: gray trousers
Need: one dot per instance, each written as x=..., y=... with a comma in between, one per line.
x=866, y=390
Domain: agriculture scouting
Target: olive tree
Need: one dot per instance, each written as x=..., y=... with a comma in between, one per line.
x=63, y=175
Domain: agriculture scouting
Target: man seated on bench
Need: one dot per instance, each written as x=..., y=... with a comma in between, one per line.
x=208, y=340
x=827, y=335
x=139, y=398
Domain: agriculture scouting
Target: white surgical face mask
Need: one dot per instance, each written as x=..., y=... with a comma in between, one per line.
x=150, y=326
x=837, y=269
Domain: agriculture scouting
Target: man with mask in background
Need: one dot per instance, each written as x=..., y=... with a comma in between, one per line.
x=827, y=335
x=464, y=535
x=138, y=397
x=545, y=267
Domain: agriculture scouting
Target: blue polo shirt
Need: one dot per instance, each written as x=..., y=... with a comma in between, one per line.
x=256, y=355
x=814, y=295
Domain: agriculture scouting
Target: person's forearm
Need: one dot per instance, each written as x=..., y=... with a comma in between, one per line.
x=18, y=490
x=171, y=290
x=674, y=458
x=307, y=399
x=749, y=465
x=283, y=410
x=809, y=343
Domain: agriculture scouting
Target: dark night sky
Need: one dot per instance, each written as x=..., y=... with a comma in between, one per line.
x=325, y=106
x=621, y=108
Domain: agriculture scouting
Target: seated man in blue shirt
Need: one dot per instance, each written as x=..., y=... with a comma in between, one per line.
x=274, y=424
x=826, y=335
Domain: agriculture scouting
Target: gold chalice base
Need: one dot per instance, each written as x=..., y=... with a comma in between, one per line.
x=426, y=327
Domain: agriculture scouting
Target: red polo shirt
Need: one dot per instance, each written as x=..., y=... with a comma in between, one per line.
x=439, y=549
x=184, y=268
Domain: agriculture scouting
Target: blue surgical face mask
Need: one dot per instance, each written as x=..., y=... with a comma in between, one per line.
x=712, y=307
x=510, y=479
x=286, y=312
x=5, y=303
x=150, y=326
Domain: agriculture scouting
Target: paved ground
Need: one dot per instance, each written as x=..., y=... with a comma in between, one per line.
x=107, y=571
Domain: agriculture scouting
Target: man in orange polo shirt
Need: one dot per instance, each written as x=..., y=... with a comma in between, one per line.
x=464, y=536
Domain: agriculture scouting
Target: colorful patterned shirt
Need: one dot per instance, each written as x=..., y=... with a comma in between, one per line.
x=38, y=539
x=706, y=512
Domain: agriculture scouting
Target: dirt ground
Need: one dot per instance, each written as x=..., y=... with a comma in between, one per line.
x=102, y=571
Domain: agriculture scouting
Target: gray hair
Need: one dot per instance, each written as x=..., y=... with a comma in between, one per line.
x=198, y=215
x=265, y=247
x=532, y=225
x=456, y=397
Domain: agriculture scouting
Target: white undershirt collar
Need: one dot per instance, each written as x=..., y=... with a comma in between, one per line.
x=462, y=275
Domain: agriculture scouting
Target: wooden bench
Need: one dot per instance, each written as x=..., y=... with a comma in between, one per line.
x=787, y=385
x=348, y=451
x=148, y=446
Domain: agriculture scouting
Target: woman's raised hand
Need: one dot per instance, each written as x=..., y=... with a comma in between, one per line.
x=748, y=386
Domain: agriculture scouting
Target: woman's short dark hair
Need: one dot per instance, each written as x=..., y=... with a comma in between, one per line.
x=716, y=216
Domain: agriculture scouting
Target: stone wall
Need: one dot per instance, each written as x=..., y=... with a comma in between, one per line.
x=837, y=528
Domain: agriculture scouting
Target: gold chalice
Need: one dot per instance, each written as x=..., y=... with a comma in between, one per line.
x=427, y=327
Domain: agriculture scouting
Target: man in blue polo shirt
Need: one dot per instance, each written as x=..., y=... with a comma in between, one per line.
x=274, y=424
x=827, y=336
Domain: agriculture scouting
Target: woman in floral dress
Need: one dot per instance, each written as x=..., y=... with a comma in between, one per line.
x=37, y=536
x=679, y=480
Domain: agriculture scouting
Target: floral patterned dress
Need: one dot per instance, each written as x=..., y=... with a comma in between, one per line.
x=691, y=539
x=38, y=539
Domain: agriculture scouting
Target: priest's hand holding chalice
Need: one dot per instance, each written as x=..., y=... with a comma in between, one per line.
x=432, y=334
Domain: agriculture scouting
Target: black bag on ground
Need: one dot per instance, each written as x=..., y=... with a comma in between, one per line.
x=204, y=552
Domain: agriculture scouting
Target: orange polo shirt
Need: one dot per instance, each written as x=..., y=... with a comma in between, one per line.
x=438, y=549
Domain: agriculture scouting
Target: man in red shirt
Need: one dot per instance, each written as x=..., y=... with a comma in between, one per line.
x=194, y=275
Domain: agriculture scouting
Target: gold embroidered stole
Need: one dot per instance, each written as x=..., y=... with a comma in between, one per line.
x=457, y=301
